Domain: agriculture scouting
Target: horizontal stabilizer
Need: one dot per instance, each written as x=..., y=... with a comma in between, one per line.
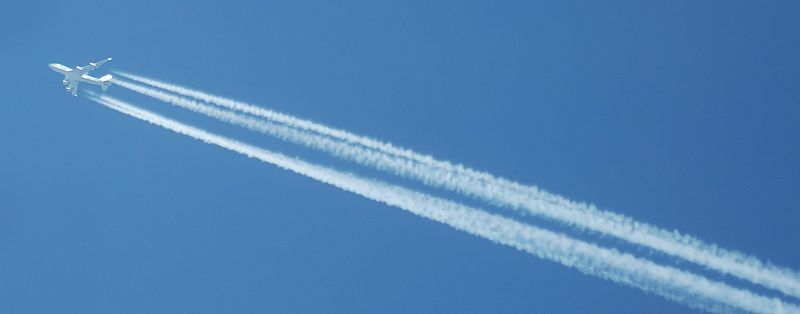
x=105, y=81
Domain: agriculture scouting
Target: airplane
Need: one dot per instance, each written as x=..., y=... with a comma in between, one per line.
x=73, y=77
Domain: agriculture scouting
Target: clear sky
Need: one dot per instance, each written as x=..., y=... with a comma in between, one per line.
x=684, y=114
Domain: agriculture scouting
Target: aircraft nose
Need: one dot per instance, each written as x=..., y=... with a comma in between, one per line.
x=52, y=66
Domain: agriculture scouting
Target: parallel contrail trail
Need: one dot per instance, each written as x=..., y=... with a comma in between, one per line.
x=674, y=284
x=496, y=191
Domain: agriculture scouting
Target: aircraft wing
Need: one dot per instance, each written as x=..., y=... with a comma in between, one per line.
x=94, y=65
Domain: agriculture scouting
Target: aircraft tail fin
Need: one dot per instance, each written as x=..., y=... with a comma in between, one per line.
x=105, y=81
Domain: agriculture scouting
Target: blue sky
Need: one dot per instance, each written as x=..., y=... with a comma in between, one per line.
x=682, y=114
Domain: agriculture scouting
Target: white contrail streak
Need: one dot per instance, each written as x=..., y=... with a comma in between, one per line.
x=668, y=282
x=497, y=191
x=359, y=154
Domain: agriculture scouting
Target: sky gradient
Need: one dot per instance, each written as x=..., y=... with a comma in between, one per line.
x=684, y=115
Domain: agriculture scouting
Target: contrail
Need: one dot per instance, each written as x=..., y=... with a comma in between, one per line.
x=674, y=284
x=497, y=191
x=361, y=155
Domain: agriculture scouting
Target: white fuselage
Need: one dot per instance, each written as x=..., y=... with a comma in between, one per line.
x=73, y=77
x=76, y=74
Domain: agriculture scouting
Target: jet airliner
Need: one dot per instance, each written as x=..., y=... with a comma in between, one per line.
x=73, y=77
